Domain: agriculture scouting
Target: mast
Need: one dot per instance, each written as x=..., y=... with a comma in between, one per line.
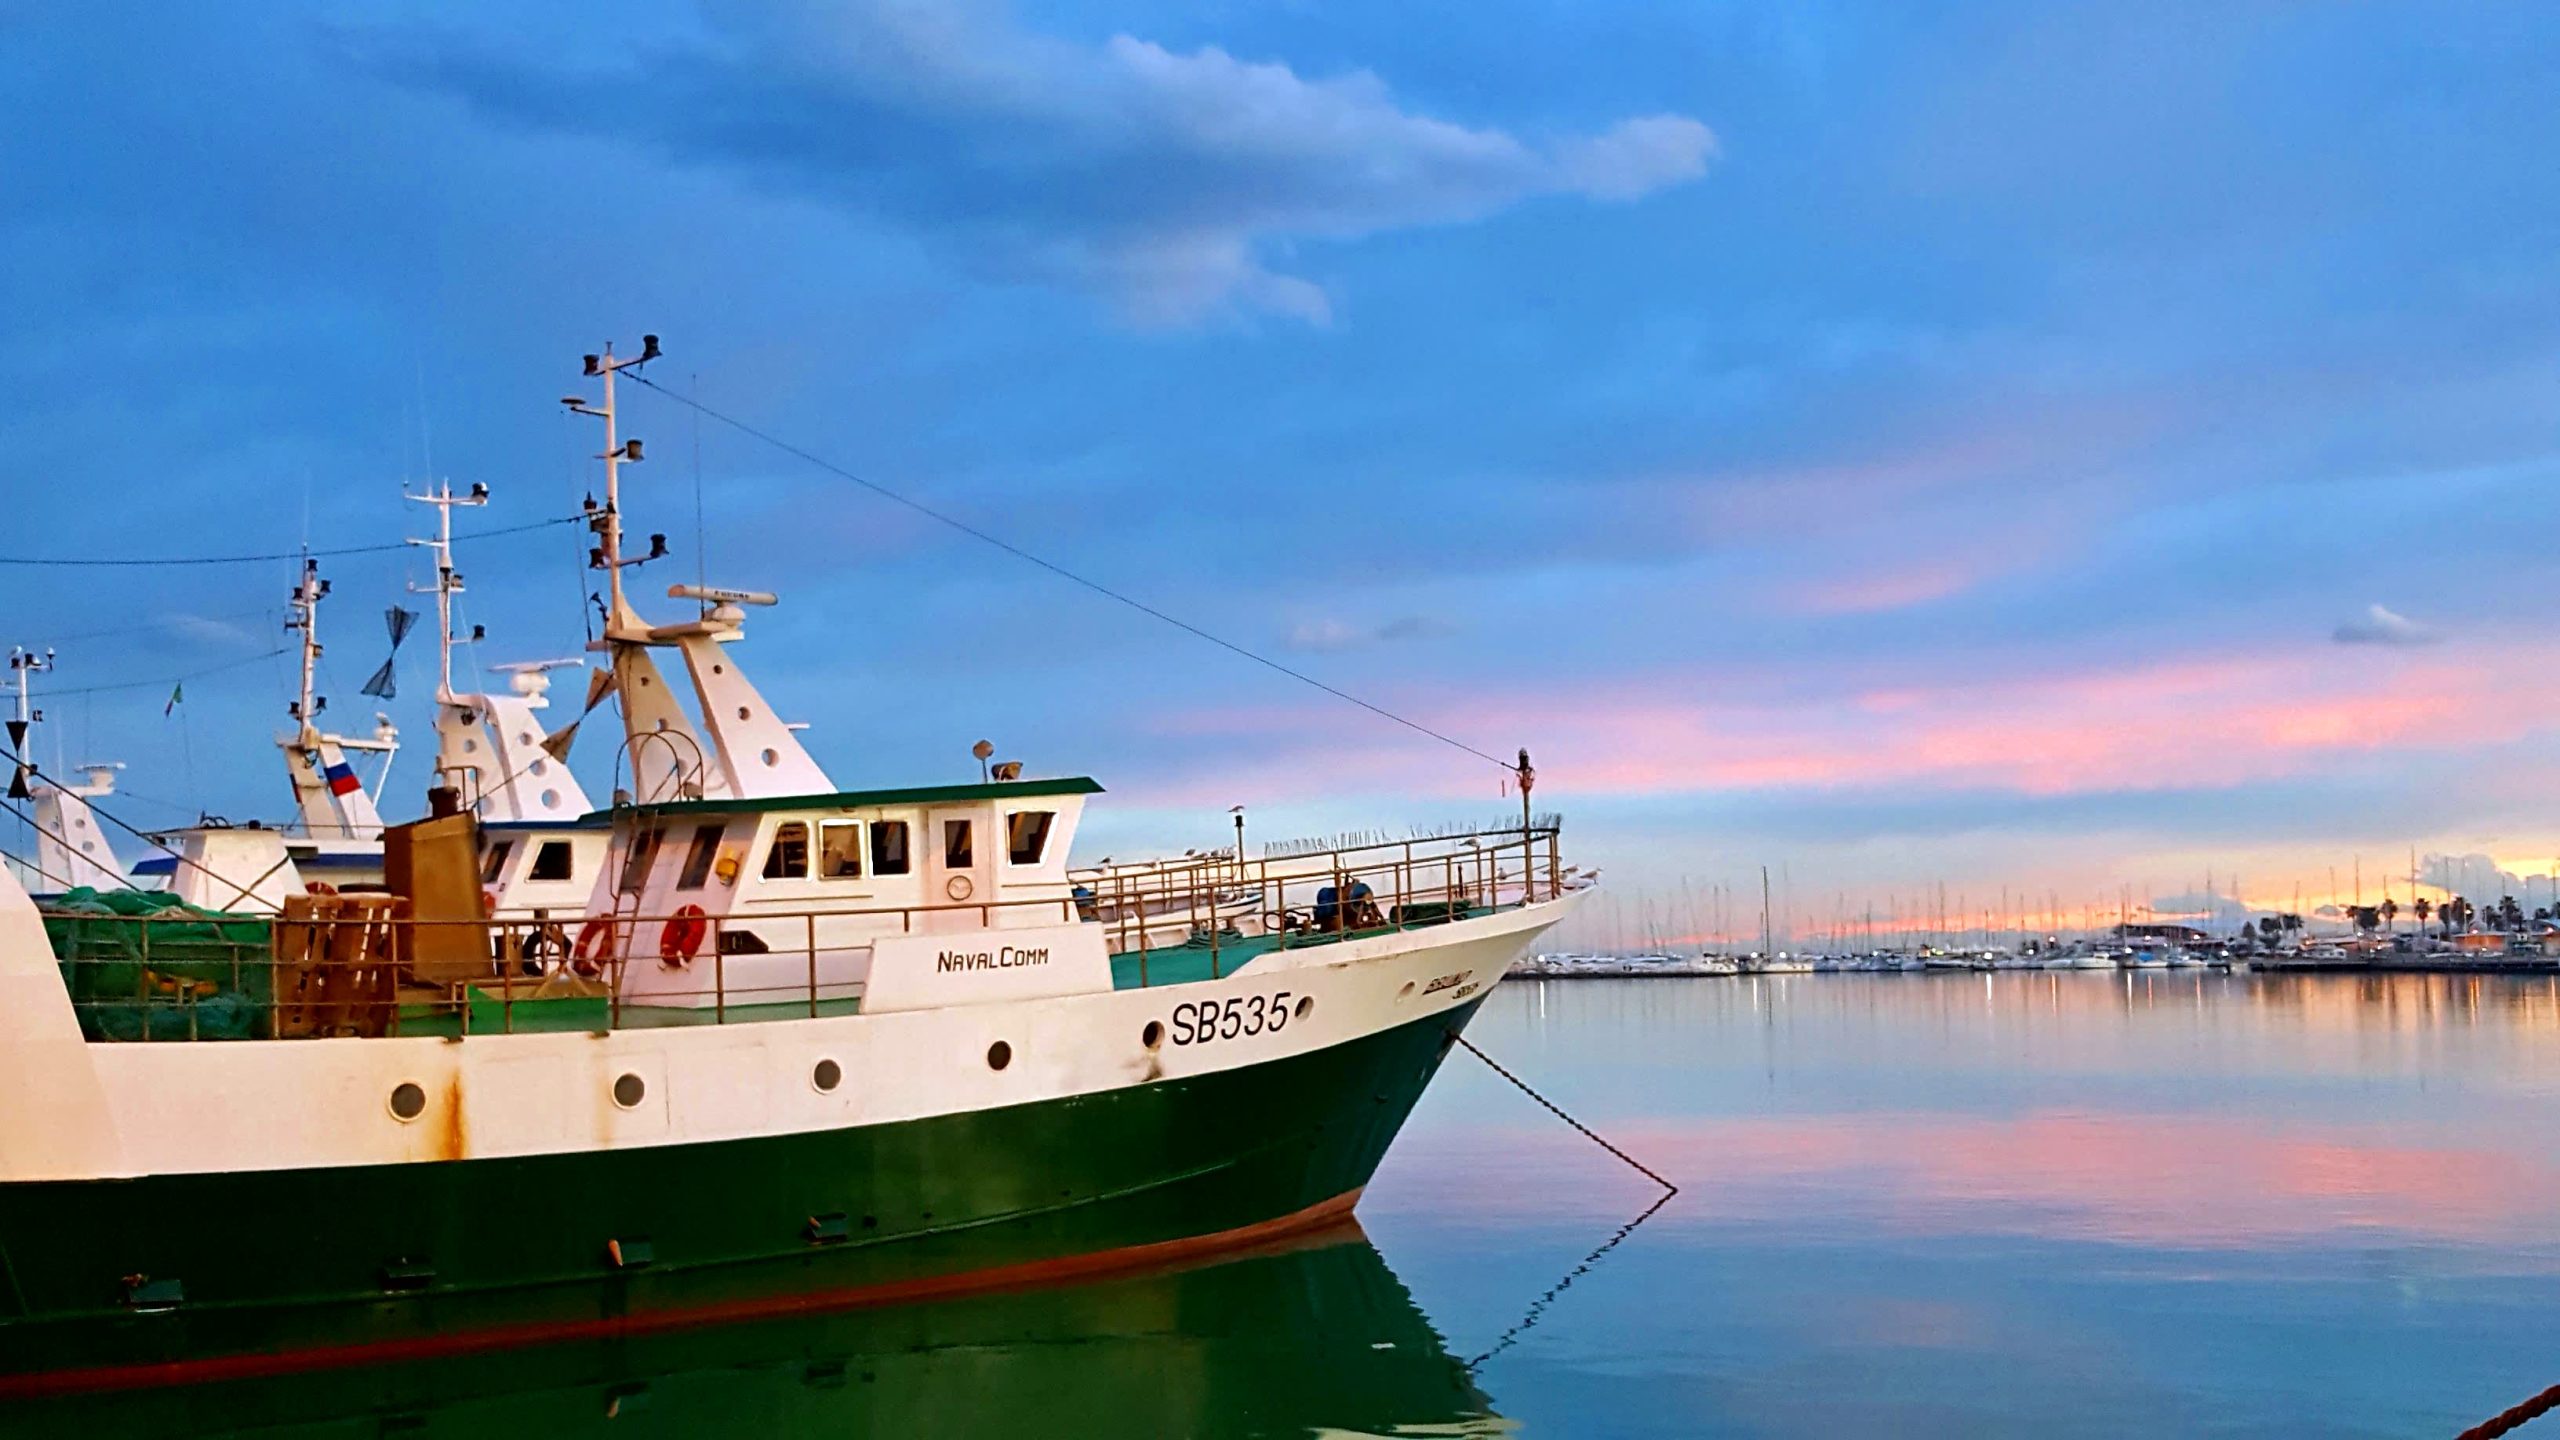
x=302, y=613
x=327, y=795
x=1768, y=942
x=24, y=666
x=622, y=625
x=448, y=581
x=743, y=750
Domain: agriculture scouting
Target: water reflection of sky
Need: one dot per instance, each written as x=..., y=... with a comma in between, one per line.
x=1963, y=1204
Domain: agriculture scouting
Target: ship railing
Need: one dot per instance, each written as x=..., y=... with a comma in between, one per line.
x=361, y=965
x=1319, y=896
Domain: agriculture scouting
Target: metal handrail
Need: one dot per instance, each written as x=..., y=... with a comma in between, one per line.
x=344, y=974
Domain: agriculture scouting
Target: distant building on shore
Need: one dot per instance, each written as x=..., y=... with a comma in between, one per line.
x=2164, y=934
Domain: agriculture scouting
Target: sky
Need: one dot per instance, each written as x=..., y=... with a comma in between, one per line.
x=2072, y=452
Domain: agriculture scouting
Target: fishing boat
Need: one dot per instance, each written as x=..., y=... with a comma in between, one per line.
x=541, y=849
x=334, y=840
x=71, y=851
x=880, y=1025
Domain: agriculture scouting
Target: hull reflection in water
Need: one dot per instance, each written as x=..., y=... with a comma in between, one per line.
x=1314, y=1337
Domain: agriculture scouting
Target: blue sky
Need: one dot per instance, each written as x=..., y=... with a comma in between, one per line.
x=1893, y=443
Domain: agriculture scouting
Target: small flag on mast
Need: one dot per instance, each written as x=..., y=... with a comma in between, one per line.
x=177, y=693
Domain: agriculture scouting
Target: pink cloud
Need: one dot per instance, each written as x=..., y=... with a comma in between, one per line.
x=2176, y=723
x=1868, y=593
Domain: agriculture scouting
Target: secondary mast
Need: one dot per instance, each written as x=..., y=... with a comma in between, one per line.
x=448, y=580
x=329, y=799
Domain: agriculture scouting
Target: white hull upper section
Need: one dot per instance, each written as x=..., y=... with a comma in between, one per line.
x=71, y=1111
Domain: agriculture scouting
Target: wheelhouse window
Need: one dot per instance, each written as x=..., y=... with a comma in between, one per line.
x=644, y=854
x=1026, y=835
x=496, y=864
x=840, y=850
x=697, y=859
x=551, y=862
x=787, y=858
x=889, y=847
x=959, y=845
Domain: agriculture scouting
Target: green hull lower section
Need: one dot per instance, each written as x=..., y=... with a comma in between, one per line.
x=261, y=1263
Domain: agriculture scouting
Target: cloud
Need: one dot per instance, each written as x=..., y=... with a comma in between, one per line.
x=2380, y=626
x=209, y=630
x=1167, y=179
x=1322, y=636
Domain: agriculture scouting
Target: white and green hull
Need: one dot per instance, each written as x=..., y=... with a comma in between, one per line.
x=170, y=1210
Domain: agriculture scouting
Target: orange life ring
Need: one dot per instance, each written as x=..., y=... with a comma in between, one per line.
x=488, y=903
x=683, y=935
x=318, y=887
x=594, y=939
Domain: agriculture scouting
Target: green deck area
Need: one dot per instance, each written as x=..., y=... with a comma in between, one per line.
x=213, y=1010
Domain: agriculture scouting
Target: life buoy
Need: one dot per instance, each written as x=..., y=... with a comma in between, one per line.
x=594, y=939
x=318, y=887
x=488, y=903
x=682, y=936
x=546, y=944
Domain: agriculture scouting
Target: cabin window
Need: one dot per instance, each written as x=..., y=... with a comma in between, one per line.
x=551, y=862
x=840, y=850
x=888, y=847
x=1026, y=835
x=697, y=860
x=496, y=864
x=644, y=853
x=959, y=845
x=787, y=858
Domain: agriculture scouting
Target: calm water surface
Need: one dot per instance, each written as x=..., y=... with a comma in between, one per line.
x=1946, y=1204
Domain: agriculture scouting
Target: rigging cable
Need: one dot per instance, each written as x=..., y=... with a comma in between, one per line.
x=123, y=561
x=172, y=679
x=1054, y=568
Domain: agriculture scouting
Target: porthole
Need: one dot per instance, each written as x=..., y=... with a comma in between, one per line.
x=1153, y=1036
x=550, y=799
x=773, y=757
x=719, y=669
x=629, y=1091
x=470, y=747
x=1407, y=992
x=408, y=1100
x=826, y=1076
x=742, y=712
x=538, y=768
x=999, y=1055
x=1306, y=1006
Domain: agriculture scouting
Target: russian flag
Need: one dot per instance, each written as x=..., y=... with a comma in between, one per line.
x=342, y=778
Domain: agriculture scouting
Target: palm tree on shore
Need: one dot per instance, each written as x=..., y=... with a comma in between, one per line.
x=2426, y=908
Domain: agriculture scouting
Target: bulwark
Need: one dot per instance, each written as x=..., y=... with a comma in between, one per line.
x=1003, y=957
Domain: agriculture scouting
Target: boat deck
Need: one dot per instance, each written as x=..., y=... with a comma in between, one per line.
x=495, y=1010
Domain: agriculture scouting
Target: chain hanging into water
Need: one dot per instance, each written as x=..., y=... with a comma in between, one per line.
x=1538, y=1308
x=1556, y=1110
x=2514, y=1416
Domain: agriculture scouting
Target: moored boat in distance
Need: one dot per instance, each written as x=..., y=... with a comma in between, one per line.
x=883, y=1024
